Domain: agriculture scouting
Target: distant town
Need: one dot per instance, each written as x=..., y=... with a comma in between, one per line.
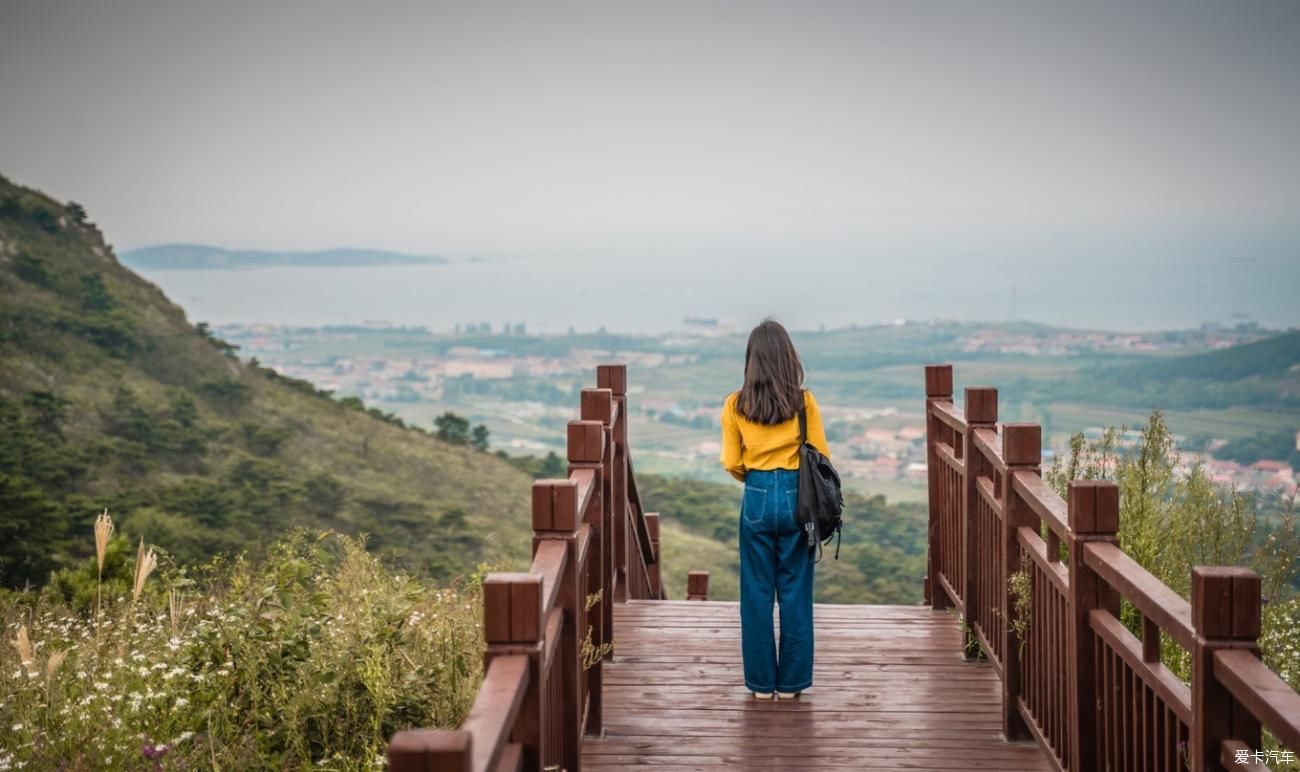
x=416, y=374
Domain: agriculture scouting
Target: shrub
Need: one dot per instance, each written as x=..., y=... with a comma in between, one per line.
x=1172, y=520
x=310, y=658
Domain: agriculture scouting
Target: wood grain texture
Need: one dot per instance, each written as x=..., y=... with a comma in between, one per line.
x=891, y=691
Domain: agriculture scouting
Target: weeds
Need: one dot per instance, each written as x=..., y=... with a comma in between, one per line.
x=310, y=658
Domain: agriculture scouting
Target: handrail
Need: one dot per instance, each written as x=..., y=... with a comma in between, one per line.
x=642, y=529
x=988, y=441
x=1149, y=595
x=549, y=631
x=1049, y=507
x=1262, y=691
x=950, y=415
x=504, y=684
x=1074, y=678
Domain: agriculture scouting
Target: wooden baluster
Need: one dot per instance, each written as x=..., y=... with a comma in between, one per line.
x=981, y=413
x=556, y=517
x=656, y=579
x=697, y=585
x=1093, y=512
x=586, y=450
x=513, y=624
x=938, y=388
x=429, y=750
x=1022, y=450
x=1225, y=615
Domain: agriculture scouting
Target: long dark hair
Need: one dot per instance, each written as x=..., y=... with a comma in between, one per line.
x=773, y=390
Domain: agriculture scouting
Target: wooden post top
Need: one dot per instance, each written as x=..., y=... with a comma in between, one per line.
x=697, y=585
x=417, y=750
x=555, y=505
x=612, y=377
x=1225, y=602
x=597, y=405
x=586, y=442
x=938, y=381
x=1093, y=507
x=1022, y=444
x=512, y=608
x=981, y=405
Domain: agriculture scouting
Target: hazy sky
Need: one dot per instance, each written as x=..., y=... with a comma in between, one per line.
x=699, y=128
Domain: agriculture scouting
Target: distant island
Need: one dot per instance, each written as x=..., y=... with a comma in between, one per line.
x=189, y=257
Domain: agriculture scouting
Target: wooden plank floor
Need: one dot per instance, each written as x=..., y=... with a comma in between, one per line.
x=890, y=690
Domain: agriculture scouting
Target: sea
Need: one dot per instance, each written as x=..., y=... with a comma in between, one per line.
x=553, y=295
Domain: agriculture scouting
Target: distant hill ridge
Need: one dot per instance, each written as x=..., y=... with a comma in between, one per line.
x=1264, y=375
x=203, y=256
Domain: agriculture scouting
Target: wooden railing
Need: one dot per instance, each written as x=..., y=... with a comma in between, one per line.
x=1093, y=695
x=548, y=630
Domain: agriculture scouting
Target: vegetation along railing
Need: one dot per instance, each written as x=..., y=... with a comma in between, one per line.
x=1038, y=582
x=548, y=630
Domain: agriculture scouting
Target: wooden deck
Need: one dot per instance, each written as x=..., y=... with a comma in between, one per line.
x=890, y=690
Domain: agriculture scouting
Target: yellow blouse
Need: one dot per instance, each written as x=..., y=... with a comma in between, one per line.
x=748, y=445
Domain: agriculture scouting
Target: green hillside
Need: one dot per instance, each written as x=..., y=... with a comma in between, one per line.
x=1263, y=374
x=111, y=398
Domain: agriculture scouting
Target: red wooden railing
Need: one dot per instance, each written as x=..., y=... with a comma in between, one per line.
x=1093, y=695
x=548, y=630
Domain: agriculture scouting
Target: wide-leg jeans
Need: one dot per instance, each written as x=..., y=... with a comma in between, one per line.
x=776, y=566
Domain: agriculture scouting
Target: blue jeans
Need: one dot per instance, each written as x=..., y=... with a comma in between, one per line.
x=775, y=565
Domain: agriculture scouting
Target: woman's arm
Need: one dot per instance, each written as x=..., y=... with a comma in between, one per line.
x=731, y=444
x=816, y=431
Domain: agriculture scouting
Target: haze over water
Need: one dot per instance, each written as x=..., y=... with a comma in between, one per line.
x=649, y=296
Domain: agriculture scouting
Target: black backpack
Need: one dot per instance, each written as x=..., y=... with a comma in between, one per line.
x=821, y=502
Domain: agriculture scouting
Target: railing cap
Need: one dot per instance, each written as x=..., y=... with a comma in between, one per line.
x=512, y=608
x=938, y=380
x=597, y=405
x=981, y=405
x=1225, y=602
x=1022, y=444
x=1093, y=507
x=416, y=750
x=612, y=377
x=586, y=442
x=555, y=505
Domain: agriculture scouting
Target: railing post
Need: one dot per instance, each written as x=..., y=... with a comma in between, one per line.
x=555, y=518
x=598, y=405
x=981, y=413
x=697, y=585
x=513, y=624
x=1093, y=516
x=429, y=750
x=938, y=388
x=586, y=448
x=614, y=379
x=1225, y=615
x=656, y=579
x=1022, y=451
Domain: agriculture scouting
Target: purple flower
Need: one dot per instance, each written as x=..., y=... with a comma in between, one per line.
x=155, y=753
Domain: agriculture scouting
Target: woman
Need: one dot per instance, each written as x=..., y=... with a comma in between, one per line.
x=760, y=447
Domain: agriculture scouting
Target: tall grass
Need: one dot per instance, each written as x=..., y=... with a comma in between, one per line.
x=310, y=658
